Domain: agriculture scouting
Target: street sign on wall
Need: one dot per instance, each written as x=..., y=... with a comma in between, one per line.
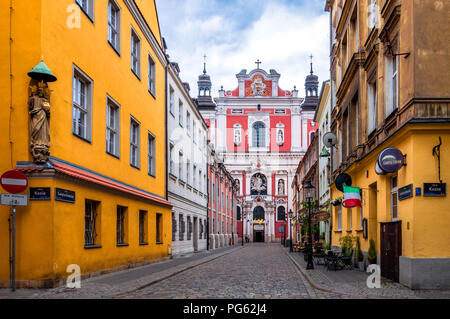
x=14, y=182
x=14, y=200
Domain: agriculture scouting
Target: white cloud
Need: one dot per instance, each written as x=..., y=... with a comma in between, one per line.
x=282, y=36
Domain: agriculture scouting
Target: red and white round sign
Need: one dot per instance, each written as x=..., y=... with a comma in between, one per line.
x=14, y=182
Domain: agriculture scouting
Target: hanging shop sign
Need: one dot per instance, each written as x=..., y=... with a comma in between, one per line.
x=435, y=189
x=40, y=193
x=321, y=216
x=405, y=192
x=64, y=195
x=390, y=160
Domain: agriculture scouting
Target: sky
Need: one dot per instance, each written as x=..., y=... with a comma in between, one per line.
x=234, y=34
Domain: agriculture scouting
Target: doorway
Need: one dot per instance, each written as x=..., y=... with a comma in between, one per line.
x=195, y=234
x=259, y=236
x=390, y=249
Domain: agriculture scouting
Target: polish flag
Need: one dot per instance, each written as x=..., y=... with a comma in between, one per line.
x=352, y=196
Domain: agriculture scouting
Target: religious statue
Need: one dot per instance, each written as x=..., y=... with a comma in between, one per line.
x=258, y=185
x=280, y=136
x=237, y=136
x=281, y=187
x=39, y=109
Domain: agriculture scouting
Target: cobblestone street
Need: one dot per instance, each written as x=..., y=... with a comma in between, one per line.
x=256, y=271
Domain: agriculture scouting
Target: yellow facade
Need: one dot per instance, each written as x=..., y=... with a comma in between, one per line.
x=389, y=90
x=50, y=234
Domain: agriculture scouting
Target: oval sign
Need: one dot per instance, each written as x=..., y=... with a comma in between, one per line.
x=390, y=160
x=321, y=216
x=14, y=182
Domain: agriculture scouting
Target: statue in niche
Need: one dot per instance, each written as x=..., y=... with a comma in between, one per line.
x=39, y=110
x=280, y=136
x=281, y=187
x=258, y=185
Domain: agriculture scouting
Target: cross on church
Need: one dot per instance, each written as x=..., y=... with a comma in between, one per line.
x=311, y=56
x=258, y=63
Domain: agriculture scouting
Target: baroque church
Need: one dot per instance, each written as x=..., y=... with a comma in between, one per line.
x=262, y=132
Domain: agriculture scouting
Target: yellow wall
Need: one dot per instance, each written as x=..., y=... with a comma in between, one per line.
x=50, y=234
x=428, y=217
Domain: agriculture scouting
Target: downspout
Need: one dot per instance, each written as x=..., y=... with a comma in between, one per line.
x=11, y=108
x=331, y=110
x=207, y=200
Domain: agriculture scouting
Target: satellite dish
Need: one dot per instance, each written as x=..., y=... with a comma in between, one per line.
x=341, y=180
x=329, y=140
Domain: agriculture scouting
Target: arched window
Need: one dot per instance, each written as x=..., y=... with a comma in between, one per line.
x=238, y=213
x=281, y=213
x=259, y=135
x=258, y=213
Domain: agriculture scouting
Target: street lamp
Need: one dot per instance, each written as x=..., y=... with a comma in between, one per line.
x=309, y=193
x=291, y=214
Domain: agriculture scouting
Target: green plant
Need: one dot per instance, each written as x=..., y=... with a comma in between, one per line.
x=372, y=253
x=358, y=254
x=346, y=245
x=325, y=246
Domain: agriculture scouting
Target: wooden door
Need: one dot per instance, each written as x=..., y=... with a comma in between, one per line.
x=390, y=249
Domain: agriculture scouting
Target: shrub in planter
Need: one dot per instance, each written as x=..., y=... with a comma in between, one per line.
x=372, y=253
x=359, y=257
x=346, y=245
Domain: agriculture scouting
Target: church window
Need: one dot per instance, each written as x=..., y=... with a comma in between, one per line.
x=259, y=132
x=281, y=213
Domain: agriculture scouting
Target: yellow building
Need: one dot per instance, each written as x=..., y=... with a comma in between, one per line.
x=102, y=191
x=390, y=90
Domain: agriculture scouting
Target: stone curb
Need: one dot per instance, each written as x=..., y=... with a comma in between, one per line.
x=163, y=275
x=319, y=287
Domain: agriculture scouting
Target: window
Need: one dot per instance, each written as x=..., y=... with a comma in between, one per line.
x=339, y=217
x=143, y=226
x=194, y=177
x=134, y=143
x=180, y=113
x=114, y=25
x=200, y=186
x=171, y=162
x=189, y=225
x=372, y=105
x=174, y=227
x=349, y=219
x=180, y=166
x=113, y=128
x=159, y=229
x=391, y=85
x=281, y=213
x=394, y=198
x=91, y=223
x=181, y=228
x=373, y=14
x=188, y=172
x=135, y=54
x=151, y=75
x=188, y=122
x=81, y=105
x=87, y=6
x=194, y=135
x=151, y=155
x=259, y=132
x=238, y=213
x=121, y=224
x=172, y=101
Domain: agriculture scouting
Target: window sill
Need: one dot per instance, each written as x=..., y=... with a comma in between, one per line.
x=338, y=231
x=143, y=244
x=152, y=175
x=114, y=48
x=136, y=167
x=122, y=245
x=159, y=243
x=113, y=155
x=93, y=247
x=349, y=231
x=82, y=138
x=86, y=13
x=359, y=230
x=138, y=76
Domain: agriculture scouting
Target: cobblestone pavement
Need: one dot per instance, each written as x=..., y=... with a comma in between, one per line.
x=352, y=284
x=256, y=271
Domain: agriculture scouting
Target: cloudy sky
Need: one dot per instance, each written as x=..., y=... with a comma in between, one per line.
x=235, y=33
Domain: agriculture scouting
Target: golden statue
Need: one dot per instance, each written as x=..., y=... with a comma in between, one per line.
x=39, y=109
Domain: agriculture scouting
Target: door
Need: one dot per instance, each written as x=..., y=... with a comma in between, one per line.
x=391, y=249
x=259, y=236
x=195, y=234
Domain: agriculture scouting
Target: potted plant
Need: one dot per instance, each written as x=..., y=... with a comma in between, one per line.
x=372, y=253
x=359, y=257
x=346, y=245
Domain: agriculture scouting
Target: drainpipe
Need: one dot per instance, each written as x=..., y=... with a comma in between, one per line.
x=207, y=200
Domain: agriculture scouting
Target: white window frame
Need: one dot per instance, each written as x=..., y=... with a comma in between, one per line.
x=391, y=95
x=135, y=143
x=372, y=105
x=114, y=26
x=171, y=161
x=151, y=75
x=151, y=154
x=180, y=113
x=372, y=14
x=87, y=6
x=188, y=171
x=81, y=104
x=171, y=101
x=135, y=53
x=188, y=122
x=113, y=128
x=339, y=217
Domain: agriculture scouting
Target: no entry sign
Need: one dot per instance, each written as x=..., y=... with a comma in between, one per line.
x=14, y=182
